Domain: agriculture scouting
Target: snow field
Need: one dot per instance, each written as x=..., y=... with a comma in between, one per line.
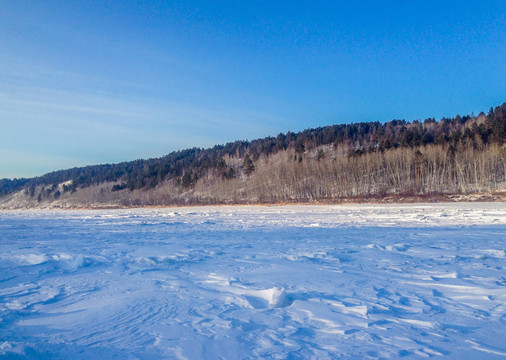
x=356, y=281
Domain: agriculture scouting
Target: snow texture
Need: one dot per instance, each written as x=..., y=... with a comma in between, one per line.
x=308, y=282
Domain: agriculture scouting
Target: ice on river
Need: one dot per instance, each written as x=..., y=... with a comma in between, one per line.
x=345, y=282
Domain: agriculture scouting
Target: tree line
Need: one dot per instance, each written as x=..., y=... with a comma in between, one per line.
x=357, y=142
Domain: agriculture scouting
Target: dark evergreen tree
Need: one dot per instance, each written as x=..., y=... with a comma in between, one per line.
x=248, y=165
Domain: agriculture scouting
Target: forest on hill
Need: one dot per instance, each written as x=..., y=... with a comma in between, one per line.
x=460, y=155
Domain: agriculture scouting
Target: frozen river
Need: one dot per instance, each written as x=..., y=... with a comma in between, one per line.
x=345, y=282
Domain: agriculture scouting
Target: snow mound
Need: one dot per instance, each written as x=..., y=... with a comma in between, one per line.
x=276, y=297
x=272, y=298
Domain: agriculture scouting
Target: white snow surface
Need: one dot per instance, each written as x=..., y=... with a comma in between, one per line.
x=278, y=282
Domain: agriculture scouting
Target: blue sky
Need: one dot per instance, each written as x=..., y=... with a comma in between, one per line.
x=88, y=82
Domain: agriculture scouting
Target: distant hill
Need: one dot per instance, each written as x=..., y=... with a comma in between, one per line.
x=427, y=159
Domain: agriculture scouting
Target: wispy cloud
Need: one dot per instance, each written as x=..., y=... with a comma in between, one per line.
x=69, y=122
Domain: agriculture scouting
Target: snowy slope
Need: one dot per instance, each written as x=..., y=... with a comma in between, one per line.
x=347, y=282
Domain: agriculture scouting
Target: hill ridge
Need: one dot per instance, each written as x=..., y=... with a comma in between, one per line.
x=196, y=175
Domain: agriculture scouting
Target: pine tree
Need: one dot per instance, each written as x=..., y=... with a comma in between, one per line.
x=248, y=165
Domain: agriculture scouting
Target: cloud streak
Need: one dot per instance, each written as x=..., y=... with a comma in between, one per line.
x=87, y=126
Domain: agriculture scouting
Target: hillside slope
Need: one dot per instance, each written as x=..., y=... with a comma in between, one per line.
x=397, y=160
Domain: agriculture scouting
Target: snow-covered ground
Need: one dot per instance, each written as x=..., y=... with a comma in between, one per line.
x=344, y=282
